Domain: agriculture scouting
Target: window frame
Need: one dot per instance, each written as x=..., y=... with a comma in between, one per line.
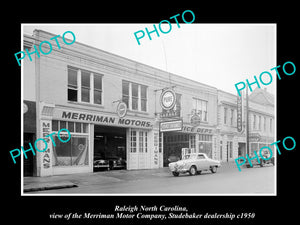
x=91, y=88
x=130, y=99
x=200, y=107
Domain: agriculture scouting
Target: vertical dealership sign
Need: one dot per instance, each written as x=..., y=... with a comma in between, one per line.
x=156, y=148
x=239, y=114
x=45, y=128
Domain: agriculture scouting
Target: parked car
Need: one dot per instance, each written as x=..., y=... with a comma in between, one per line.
x=116, y=162
x=194, y=163
x=100, y=163
x=254, y=162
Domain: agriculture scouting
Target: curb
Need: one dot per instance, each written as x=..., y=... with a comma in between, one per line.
x=49, y=186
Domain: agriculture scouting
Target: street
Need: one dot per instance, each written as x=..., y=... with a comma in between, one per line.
x=227, y=180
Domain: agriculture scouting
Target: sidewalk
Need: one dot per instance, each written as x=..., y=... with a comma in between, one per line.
x=101, y=178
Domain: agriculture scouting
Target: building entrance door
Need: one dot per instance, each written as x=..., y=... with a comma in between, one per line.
x=242, y=149
x=28, y=163
x=138, y=154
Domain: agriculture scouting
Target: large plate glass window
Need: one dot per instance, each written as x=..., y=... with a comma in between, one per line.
x=75, y=152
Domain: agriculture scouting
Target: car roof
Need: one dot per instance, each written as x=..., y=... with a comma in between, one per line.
x=200, y=153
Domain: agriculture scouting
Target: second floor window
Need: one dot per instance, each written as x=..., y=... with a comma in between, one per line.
x=135, y=96
x=84, y=86
x=225, y=115
x=200, y=108
x=231, y=117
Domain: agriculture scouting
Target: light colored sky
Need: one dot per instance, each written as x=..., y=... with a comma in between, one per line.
x=219, y=55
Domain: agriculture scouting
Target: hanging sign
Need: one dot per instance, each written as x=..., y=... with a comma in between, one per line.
x=175, y=125
x=168, y=99
x=195, y=120
x=121, y=109
x=239, y=114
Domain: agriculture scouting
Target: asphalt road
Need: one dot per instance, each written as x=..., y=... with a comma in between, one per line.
x=227, y=180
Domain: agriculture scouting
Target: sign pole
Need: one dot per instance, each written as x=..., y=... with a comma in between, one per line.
x=247, y=121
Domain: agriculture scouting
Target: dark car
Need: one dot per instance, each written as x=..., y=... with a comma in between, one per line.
x=173, y=158
x=100, y=163
x=261, y=162
x=116, y=162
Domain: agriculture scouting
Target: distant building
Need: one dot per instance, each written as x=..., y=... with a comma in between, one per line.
x=261, y=124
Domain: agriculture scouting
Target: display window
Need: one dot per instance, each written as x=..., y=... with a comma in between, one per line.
x=74, y=152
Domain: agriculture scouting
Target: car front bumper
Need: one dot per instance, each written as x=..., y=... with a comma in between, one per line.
x=101, y=166
x=178, y=169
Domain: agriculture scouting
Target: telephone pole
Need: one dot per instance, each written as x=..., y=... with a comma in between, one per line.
x=247, y=122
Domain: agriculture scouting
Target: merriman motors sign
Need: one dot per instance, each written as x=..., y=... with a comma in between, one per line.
x=102, y=119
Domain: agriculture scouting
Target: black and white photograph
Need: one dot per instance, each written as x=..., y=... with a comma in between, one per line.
x=169, y=115
x=161, y=117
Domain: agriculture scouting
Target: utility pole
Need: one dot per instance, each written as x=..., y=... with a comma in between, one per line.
x=247, y=122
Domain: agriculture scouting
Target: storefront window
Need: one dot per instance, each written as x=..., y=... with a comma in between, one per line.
x=193, y=141
x=253, y=147
x=205, y=144
x=138, y=141
x=133, y=141
x=141, y=141
x=74, y=152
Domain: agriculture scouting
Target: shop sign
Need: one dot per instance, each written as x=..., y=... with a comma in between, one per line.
x=46, y=128
x=170, y=113
x=156, y=146
x=168, y=99
x=175, y=125
x=239, y=114
x=122, y=109
x=195, y=120
x=102, y=119
x=199, y=130
x=254, y=137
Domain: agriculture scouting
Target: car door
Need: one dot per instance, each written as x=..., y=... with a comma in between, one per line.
x=201, y=162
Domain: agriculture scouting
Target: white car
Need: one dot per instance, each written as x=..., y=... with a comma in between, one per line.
x=194, y=163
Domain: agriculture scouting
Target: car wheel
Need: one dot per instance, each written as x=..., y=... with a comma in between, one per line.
x=213, y=169
x=176, y=174
x=193, y=170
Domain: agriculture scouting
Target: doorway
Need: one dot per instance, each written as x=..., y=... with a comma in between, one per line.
x=109, y=148
x=28, y=163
